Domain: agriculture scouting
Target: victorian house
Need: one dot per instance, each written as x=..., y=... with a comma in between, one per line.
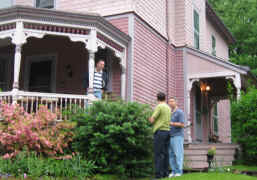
x=179, y=47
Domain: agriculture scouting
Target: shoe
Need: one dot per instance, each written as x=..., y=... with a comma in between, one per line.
x=176, y=175
x=171, y=175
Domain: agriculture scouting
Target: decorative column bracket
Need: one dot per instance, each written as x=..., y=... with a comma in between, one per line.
x=237, y=82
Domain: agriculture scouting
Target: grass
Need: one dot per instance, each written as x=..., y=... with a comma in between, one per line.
x=243, y=168
x=189, y=176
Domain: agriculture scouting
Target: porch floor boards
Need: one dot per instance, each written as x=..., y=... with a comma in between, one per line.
x=196, y=155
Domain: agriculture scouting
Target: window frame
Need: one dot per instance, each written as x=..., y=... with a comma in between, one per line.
x=213, y=45
x=196, y=29
x=54, y=5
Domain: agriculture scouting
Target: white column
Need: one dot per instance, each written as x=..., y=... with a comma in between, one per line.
x=19, y=38
x=91, y=68
x=123, y=82
x=237, y=82
x=92, y=48
x=17, y=64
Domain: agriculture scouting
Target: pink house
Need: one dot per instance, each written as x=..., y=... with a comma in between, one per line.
x=179, y=47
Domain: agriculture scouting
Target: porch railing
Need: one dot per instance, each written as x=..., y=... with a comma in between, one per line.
x=31, y=101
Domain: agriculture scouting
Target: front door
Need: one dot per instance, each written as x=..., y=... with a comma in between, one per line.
x=40, y=76
x=40, y=73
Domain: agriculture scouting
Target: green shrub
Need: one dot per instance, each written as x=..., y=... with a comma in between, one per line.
x=35, y=166
x=244, y=125
x=117, y=136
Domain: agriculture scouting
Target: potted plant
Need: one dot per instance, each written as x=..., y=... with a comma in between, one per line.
x=210, y=155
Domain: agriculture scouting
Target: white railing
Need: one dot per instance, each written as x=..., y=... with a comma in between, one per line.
x=31, y=101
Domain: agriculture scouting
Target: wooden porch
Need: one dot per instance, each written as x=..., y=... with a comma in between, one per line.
x=195, y=156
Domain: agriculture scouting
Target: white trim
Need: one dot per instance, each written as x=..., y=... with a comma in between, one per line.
x=211, y=75
x=40, y=58
x=131, y=32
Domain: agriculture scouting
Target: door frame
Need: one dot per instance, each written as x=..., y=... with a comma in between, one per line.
x=39, y=58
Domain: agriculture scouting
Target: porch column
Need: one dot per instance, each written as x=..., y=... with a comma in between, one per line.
x=91, y=68
x=189, y=88
x=123, y=82
x=19, y=38
x=237, y=83
x=92, y=48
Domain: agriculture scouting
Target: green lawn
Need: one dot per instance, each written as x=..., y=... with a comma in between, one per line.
x=190, y=176
x=243, y=168
x=193, y=176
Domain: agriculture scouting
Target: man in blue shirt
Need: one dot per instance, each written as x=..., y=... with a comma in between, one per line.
x=176, y=149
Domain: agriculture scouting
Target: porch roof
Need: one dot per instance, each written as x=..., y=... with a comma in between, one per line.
x=68, y=18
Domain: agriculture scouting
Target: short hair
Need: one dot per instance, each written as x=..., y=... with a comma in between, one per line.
x=99, y=61
x=173, y=97
x=161, y=96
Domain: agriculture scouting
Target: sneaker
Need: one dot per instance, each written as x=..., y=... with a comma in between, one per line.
x=171, y=175
x=176, y=175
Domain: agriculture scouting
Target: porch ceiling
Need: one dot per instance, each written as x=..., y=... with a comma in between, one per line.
x=66, y=19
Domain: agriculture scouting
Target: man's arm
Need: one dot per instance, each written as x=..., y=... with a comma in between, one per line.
x=155, y=115
x=180, y=122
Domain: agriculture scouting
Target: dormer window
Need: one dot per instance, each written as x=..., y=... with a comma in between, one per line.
x=50, y=4
x=6, y=3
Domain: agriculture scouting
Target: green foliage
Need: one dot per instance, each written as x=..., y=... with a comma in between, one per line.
x=244, y=125
x=241, y=19
x=32, y=165
x=117, y=136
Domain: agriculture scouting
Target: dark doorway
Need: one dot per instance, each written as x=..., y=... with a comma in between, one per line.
x=40, y=76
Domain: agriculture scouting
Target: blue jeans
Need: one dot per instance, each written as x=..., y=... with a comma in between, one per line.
x=161, y=154
x=98, y=93
x=176, y=154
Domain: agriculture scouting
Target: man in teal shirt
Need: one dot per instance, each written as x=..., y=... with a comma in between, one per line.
x=161, y=127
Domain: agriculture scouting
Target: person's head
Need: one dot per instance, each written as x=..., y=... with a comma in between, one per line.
x=100, y=65
x=161, y=96
x=172, y=102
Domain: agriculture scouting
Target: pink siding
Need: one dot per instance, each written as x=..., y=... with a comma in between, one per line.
x=104, y=8
x=154, y=13
x=180, y=33
x=24, y=2
x=224, y=122
x=150, y=69
x=120, y=23
x=199, y=65
x=172, y=21
x=221, y=44
x=179, y=77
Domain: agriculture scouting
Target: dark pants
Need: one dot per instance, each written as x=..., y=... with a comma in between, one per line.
x=161, y=155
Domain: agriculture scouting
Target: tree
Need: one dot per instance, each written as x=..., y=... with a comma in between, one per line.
x=240, y=16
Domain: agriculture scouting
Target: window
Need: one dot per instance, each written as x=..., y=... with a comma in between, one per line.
x=196, y=30
x=3, y=75
x=213, y=42
x=45, y=4
x=5, y=3
x=215, y=119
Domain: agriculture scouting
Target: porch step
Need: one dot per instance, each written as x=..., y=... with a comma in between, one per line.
x=196, y=155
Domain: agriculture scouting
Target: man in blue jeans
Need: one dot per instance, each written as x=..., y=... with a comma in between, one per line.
x=176, y=148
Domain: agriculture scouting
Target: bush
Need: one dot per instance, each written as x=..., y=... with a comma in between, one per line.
x=37, y=132
x=117, y=136
x=32, y=165
x=244, y=125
